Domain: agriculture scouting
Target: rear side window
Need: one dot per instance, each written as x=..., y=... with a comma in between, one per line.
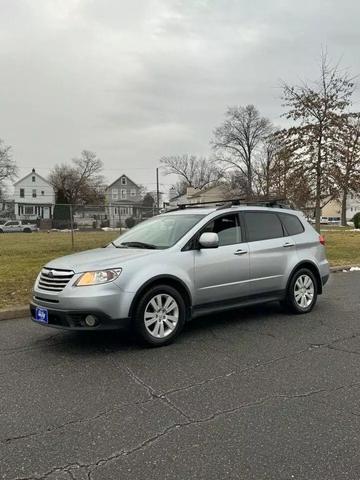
x=292, y=224
x=263, y=226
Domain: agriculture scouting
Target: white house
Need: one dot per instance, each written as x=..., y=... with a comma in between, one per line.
x=352, y=205
x=34, y=197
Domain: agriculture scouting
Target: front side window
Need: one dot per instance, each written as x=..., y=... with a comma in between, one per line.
x=123, y=193
x=228, y=229
x=158, y=232
x=114, y=194
x=292, y=224
x=22, y=192
x=123, y=181
x=263, y=226
x=34, y=193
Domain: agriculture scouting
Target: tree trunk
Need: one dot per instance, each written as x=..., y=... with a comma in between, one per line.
x=343, y=208
x=318, y=200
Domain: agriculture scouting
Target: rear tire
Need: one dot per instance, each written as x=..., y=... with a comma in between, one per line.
x=302, y=291
x=159, y=316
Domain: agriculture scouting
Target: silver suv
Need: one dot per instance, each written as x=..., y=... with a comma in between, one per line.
x=183, y=264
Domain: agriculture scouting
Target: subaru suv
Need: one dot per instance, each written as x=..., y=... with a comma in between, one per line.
x=183, y=264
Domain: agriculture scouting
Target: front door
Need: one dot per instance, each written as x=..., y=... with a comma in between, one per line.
x=222, y=273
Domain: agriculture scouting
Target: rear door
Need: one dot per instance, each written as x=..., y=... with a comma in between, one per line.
x=222, y=273
x=270, y=250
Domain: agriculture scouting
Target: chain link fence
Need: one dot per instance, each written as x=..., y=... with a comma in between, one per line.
x=73, y=218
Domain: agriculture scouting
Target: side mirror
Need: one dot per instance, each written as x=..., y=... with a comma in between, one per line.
x=209, y=240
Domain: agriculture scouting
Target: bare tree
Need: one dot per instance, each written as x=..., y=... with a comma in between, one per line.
x=238, y=139
x=264, y=182
x=346, y=172
x=80, y=182
x=316, y=109
x=192, y=171
x=8, y=169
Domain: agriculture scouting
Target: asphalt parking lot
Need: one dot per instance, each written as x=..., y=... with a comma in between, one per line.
x=255, y=394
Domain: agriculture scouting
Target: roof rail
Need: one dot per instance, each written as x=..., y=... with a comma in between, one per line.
x=271, y=202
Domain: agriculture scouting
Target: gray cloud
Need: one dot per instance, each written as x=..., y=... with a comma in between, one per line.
x=137, y=80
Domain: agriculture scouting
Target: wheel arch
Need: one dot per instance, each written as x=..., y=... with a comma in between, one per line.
x=313, y=268
x=170, y=280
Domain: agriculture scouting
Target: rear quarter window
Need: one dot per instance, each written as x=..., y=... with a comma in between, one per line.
x=292, y=224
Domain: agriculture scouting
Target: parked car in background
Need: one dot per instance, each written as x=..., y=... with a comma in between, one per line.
x=330, y=220
x=12, y=226
x=183, y=264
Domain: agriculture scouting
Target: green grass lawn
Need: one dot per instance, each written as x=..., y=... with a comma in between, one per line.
x=342, y=246
x=22, y=256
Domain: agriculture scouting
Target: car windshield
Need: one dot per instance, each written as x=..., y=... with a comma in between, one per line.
x=159, y=232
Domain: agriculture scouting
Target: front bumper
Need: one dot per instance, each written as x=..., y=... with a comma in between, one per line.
x=75, y=319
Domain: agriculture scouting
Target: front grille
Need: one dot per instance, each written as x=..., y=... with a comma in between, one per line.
x=53, y=280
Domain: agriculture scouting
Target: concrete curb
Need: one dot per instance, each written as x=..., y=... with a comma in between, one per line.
x=15, y=312
x=341, y=268
x=23, y=311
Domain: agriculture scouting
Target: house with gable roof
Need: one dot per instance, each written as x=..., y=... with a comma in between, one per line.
x=123, y=200
x=34, y=198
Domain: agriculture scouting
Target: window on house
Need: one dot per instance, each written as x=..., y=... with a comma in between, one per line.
x=123, y=181
x=114, y=193
x=123, y=211
x=42, y=192
x=123, y=193
x=22, y=192
x=34, y=193
x=133, y=192
x=33, y=178
x=29, y=210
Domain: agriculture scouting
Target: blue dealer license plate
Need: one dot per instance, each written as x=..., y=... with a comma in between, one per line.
x=41, y=315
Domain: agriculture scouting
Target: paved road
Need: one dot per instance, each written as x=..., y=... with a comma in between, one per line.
x=255, y=394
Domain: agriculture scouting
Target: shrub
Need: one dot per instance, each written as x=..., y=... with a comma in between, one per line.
x=130, y=222
x=356, y=220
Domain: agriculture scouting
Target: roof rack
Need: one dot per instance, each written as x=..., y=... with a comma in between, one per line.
x=222, y=204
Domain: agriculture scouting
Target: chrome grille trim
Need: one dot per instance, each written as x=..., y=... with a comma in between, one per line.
x=53, y=280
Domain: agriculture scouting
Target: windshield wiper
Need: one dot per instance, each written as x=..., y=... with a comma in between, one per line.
x=118, y=246
x=139, y=245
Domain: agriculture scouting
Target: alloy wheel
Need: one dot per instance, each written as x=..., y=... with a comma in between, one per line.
x=161, y=315
x=304, y=291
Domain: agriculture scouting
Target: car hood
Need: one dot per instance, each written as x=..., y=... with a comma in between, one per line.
x=99, y=259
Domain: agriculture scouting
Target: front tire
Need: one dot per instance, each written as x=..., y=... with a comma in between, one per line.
x=159, y=316
x=301, y=294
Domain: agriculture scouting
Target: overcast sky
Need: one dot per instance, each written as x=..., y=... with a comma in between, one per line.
x=135, y=80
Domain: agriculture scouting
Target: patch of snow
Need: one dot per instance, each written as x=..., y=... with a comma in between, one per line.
x=355, y=269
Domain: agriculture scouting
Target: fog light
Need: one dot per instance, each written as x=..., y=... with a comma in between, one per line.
x=90, y=320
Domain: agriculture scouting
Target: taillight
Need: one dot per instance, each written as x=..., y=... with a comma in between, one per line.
x=322, y=239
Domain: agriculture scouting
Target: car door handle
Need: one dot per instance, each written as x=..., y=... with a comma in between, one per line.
x=289, y=244
x=240, y=252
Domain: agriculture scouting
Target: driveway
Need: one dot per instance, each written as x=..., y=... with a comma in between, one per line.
x=252, y=394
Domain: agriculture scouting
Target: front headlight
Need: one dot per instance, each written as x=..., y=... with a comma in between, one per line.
x=98, y=277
